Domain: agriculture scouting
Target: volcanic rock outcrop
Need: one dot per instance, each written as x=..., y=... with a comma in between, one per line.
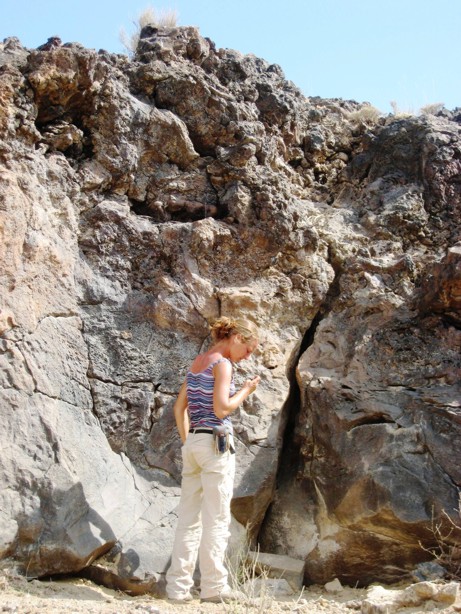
x=140, y=199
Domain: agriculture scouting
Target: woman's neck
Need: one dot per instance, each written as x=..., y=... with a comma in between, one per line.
x=222, y=347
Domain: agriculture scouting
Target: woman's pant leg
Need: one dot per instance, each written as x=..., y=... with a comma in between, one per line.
x=187, y=538
x=217, y=484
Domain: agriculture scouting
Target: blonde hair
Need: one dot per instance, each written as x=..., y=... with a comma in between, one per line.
x=225, y=327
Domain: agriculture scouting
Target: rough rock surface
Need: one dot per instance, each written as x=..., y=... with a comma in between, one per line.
x=140, y=199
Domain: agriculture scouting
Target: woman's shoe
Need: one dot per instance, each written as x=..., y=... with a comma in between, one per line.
x=178, y=600
x=225, y=597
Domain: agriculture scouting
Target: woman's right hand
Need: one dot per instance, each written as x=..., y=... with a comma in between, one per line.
x=252, y=384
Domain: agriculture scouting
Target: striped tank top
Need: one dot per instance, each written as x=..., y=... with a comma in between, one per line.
x=200, y=398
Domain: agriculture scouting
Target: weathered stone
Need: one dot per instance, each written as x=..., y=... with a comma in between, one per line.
x=334, y=586
x=267, y=587
x=430, y=570
x=171, y=44
x=441, y=287
x=377, y=399
x=278, y=566
x=383, y=601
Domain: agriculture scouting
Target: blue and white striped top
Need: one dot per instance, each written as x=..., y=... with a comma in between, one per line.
x=200, y=398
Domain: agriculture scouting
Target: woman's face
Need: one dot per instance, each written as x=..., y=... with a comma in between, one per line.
x=242, y=349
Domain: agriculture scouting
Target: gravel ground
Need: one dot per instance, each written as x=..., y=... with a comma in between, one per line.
x=78, y=596
x=19, y=596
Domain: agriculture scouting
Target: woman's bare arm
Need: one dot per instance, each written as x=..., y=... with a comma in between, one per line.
x=223, y=404
x=180, y=413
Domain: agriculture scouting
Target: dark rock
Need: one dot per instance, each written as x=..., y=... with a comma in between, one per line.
x=430, y=570
x=52, y=43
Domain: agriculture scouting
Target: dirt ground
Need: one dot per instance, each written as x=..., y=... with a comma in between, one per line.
x=19, y=596
x=78, y=596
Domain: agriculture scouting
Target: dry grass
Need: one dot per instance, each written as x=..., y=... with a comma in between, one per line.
x=162, y=18
x=243, y=571
x=248, y=575
x=366, y=116
x=447, y=551
x=429, y=109
x=432, y=109
x=400, y=113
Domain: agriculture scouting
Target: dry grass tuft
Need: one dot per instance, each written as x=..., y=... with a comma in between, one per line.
x=243, y=570
x=163, y=18
x=366, y=116
x=400, y=113
x=432, y=109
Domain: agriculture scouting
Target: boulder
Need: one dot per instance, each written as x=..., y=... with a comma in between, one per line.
x=422, y=595
x=277, y=566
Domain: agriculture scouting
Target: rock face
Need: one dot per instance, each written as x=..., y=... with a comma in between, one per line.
x=139, y=200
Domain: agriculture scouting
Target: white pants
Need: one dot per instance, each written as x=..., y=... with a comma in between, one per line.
x=204, y=518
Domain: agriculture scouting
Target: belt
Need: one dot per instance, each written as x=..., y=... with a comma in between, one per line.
x=209, y=431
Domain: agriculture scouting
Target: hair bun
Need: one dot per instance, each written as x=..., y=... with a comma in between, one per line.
x=224, y=327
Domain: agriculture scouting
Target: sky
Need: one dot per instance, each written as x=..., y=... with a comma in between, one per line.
x=394, y=54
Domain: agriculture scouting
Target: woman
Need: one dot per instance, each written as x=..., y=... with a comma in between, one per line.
x=205, y=402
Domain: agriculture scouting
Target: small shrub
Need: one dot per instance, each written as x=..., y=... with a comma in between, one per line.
x=250, y=576
x=365, y=116
x=400, y=112
x=447, y=551
x=243, y=570
x=432, y=109
x=164, y=18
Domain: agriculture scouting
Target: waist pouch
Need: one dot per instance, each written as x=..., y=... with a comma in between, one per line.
x=222, y=439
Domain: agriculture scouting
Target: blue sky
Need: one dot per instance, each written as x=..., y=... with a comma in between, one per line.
x=407, y=51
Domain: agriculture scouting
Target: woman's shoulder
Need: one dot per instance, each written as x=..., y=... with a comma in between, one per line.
x=220, y=360
x=206, y=362
x=221, y=365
